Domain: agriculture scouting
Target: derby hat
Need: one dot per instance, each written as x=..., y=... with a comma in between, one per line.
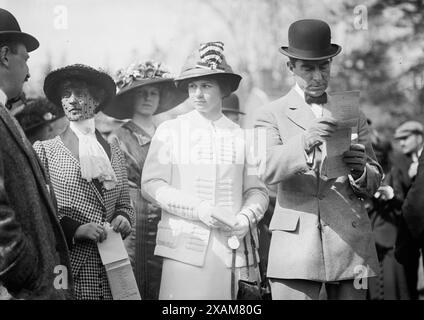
x=208, y=60
x=138, y=75
x=310, y=39
x=231, y=104
x=408, y=128
x=10, y=31
x=96, y=78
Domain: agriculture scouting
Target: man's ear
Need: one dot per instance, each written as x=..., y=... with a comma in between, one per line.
x=4, y=52
x=290, y=67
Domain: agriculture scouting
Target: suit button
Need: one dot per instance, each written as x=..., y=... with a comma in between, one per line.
x=354, y=224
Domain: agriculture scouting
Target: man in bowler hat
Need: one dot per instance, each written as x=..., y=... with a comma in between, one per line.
x=321, y=233
x=34, y=260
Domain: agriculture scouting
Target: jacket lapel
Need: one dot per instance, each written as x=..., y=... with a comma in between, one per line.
x=298, y=111
x=70, y=140
x=13, y=126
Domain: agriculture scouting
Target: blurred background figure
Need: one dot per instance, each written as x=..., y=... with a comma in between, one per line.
x=384, y=212
x=145, y=89
x=231, y=108
x=41, y=119
x=409, y=137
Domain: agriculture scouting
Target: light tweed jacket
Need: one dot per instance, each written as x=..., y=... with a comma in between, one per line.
x=192, y=160
x=320, y=228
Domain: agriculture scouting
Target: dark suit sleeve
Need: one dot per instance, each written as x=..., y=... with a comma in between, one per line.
x=413, y=207
x=18, y=257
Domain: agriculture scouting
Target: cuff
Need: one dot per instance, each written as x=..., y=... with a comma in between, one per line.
x=126, y=216
x=360, y=181
x=249, y=214
x=69, y=227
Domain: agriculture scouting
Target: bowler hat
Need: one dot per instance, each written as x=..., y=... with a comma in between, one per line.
x=231, y=104
x=408, y=128
x=310, y=39
x=96, y=78
x=139, y=75
x=208, y=60
x=10, y=31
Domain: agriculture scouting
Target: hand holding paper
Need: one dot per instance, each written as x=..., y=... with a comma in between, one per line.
x=356, y=159
x=319, y=130
x=122, y=225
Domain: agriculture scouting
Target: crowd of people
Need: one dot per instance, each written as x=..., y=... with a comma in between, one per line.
x=201, y=212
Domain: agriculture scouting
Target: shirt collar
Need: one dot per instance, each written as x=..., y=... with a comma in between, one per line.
x=3, y=98
x=222, y=122
x=299, y=90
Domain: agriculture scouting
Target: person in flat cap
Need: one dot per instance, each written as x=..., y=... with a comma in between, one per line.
x=231, y=108
x=88, y=174
x=145, y=89
x=410, y=242
x=196, y=171
x=409, y=136
x=32, y=243
x=320, y=229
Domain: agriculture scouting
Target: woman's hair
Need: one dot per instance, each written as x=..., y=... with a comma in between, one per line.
x=223, y=83
x=95, y=91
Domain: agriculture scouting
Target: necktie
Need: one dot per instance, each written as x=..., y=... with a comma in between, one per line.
x=322, y=99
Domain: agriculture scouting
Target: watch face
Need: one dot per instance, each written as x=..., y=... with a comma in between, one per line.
x=233, y=242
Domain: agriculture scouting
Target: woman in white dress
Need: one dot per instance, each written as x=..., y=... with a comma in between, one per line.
x=197, y=168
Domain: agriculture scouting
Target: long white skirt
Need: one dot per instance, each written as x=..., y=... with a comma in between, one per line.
x=182, y=281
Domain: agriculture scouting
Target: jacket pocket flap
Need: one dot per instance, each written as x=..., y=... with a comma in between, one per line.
x=284, y=220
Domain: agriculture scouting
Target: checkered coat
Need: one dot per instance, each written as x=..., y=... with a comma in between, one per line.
x=83, y=202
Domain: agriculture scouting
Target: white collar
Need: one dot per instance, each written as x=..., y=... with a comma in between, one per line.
x=223, y=122
x=299, y=90
x=3, y=97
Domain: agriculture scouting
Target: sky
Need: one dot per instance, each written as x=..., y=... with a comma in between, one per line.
x=109, y=34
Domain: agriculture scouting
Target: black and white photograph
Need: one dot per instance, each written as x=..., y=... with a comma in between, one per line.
x=229, y=152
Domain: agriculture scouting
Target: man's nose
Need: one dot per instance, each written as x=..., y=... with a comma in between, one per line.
x=317, y=74
x=27, y=77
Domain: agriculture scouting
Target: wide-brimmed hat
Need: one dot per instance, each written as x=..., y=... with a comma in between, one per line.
x=142, y=74
x=231, y=104
x=96, y=78
x=310, y=39
x=408, y=128
x=208, y=60
x=10, y=31
x=38, y=112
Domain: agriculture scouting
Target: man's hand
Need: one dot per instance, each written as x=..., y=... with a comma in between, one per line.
x=319, y=130
x=91, y=231
x=355, y=159
x=122, y=225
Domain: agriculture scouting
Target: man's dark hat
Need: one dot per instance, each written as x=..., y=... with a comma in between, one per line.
x=310, y=39
x=231, y=104
x=207, y=61
x=96, y=78
x=10, y=31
